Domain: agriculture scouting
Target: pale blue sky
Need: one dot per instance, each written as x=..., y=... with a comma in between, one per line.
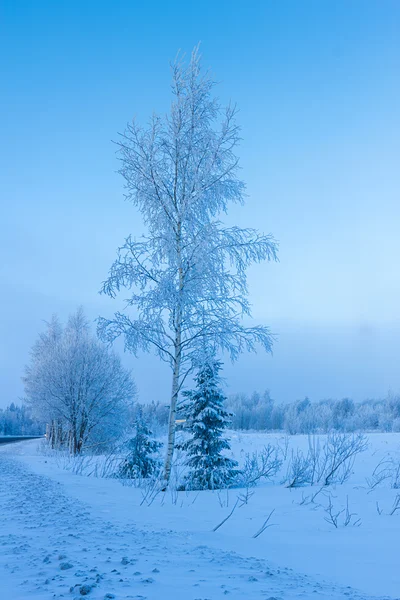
x=318, y=88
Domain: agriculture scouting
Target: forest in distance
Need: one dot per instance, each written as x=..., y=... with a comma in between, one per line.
x=254, y=412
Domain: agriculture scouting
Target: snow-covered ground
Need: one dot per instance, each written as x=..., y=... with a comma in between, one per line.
x=60, y=532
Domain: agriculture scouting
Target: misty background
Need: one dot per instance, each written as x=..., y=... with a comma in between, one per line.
x=318, y=90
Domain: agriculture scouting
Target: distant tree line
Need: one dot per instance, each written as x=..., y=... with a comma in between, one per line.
x=18, y=420
x=259, y=412
x=154, y=413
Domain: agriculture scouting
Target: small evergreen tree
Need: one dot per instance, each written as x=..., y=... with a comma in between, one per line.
x=140, y=461
x=206, y=420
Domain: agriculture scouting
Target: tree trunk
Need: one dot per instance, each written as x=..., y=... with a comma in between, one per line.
x=172, y=419
x=60, y=434
x=52, y=434
x=70, y=443
x=177, y=364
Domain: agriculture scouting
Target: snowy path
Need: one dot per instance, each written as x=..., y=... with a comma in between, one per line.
x=51, y=546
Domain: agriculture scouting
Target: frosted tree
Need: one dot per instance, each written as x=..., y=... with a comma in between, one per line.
x=206, y=421
x=187, y=274
x=77, y=385
x=140, y=460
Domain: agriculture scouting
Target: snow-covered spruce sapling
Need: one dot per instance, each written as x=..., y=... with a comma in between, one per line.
x=187, y=274
x=206, y=420
x=141, y=460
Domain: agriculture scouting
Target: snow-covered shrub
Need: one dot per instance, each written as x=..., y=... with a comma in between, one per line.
x=339, y=454
x=299, y=472
x=325, y=464
x=260, y=465
x=206, y=420
x=141, y=460
x=387, y=470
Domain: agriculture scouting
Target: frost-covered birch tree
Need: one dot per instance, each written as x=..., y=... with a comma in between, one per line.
x=187, y=274
x=77, y=385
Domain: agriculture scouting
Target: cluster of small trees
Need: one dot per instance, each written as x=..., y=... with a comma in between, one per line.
x=260, y=412
x=204, y=445
x=76, y=385
x=19, y=420
x=186, y=278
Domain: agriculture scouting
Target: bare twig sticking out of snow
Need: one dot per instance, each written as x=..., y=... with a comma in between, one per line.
x=383, y=470
x=195, y=497
x=222, y=501
x=349, y=516
x=396, y=477
x=311, y=499
x=333, y=517
x=396, y=505
x=245, y=497
x=151, y=490
x=387, y=468
x=284, y=446
x=228, y=517
x=265, y=525
x=319, y=491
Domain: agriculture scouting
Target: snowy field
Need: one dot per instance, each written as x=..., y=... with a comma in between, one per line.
x=64, y=535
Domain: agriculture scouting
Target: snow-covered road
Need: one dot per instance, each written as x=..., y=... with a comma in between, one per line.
x=54, y=546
